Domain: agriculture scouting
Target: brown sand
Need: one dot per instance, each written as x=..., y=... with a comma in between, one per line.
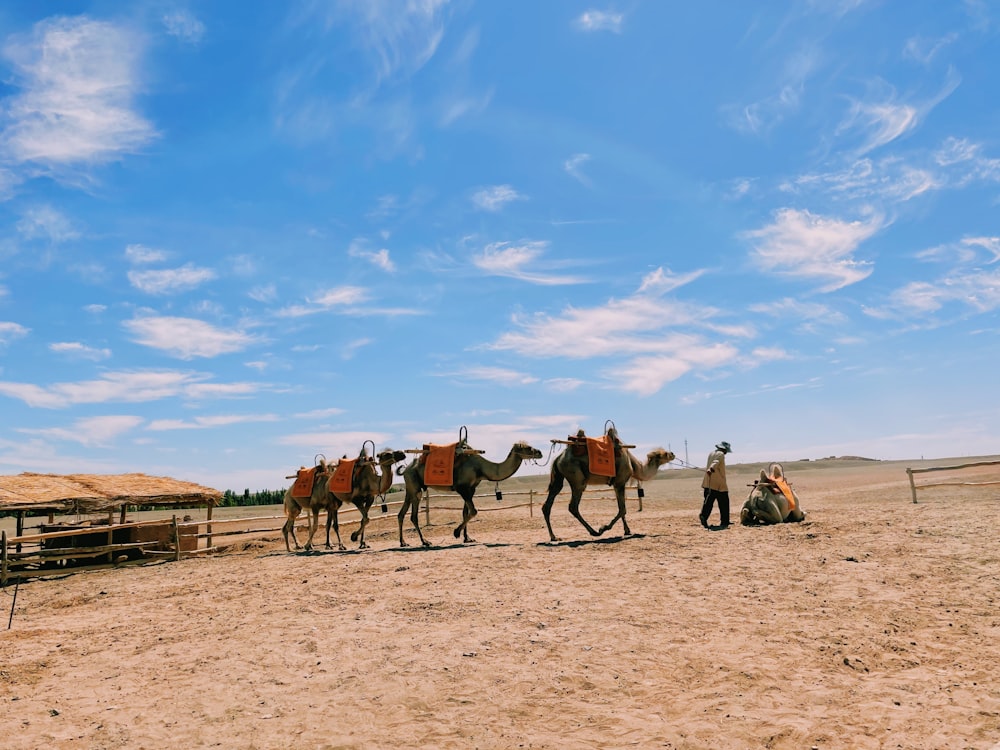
x=874, y=624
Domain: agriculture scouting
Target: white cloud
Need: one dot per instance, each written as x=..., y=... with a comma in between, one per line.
x=78, y=79
x=881, y=122
x=170, y=280
x=44, y=222
x=494, y=198
x=81, y=351
x=498, y=375
x=599, y=20
x=91, y=431
x=660, y=281
x=400, y=38
x=187, y=338
x=201, y=423
x=123, y=386
x=10, y=331
x=504, y=259
x=184, y=25
x=378, y=258
x=765, y=113
x=924, y=50
x=140, y=254
x=971, y=291
x=265, y=293
x=342, y=295
x=574, y=168
x=802, y=245
x=792, y=309
x=319, y=413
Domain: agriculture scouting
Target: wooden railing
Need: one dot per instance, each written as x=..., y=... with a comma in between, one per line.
x=35, y=555
x=914, y=487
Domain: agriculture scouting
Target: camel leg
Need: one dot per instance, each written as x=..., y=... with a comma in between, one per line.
x=363, y=509
x=767, y=511
x=574, y=508
x=620, y=497
x=555, y=487
x=313, y=527
x=468, y=513
x=408, y=502
x=333, y=519
x=289, y=528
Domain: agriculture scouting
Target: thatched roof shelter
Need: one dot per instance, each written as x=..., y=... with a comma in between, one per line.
x=94, y=493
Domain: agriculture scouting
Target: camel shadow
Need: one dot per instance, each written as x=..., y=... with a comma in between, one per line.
x=584, y=542
x=440, y=547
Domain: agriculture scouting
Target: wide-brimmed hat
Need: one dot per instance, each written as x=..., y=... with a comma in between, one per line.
x=724, y=447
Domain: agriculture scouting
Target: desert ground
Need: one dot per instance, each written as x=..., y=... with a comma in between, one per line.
x=873, y=624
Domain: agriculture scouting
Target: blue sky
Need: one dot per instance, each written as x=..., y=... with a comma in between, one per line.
x=235, y=235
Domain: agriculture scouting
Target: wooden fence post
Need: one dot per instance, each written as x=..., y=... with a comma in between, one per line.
x=3, y=559
x=208, y=528
x=531, y=503
x=913, y=487
x=177, y=539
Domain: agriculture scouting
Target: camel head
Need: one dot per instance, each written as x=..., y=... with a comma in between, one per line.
x=659, y=456
x=389, y=457
x=525, y=452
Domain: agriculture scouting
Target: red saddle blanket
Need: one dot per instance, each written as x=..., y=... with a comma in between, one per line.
x=303, y=485
x=343, y=477
x=601, y=456
x=439, y=465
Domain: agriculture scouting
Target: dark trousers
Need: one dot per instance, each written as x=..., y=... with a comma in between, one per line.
x=711, y=497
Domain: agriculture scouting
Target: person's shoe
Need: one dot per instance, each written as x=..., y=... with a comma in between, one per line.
x=704, y=520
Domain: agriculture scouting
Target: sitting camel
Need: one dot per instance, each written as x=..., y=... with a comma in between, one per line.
x=771, y=500
x=469, y=471
x=365, y=484
x=573, y=466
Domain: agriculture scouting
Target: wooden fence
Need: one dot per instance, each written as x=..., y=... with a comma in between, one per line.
x=914, y=487
x=52, y=553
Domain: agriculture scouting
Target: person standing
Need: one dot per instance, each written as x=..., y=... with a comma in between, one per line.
x=714, y=486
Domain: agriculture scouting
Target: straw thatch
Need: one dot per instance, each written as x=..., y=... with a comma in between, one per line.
x=92, y=493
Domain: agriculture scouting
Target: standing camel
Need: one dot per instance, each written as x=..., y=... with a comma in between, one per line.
x=574, y=467
x=363, y=495
x=365, y=484
x=469, y=471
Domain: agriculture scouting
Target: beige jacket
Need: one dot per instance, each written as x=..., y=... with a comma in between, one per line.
x=715, y=472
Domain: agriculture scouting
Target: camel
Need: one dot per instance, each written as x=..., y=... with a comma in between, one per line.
x=364, y=495
x=766, y=504
x=575, y=469
x=470, y=470
x=366, y=484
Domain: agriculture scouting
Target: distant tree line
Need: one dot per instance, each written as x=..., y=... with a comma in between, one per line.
x=262, y=497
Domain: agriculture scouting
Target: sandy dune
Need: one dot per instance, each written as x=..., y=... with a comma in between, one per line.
x=874, y=624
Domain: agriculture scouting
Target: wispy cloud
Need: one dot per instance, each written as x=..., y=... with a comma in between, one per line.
x=764, y=114
x=495, y=198
x=80, y=351
x=925, y=49
x=398, y=38
x=140, y=254
x=599, y=20
x=186, y=338
x=10, y=331
x=379, y=258
x=184, y=25
x=46, y=223
x=658, y=337
x=170, y=280
x=661, y=281
x=513, y=261
x=800, y=244
x=130, y=386
x=574, y=168
x=970, y=291
x=202, y=423
x=91, y=431
x=78, y=79
x=497, y=375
